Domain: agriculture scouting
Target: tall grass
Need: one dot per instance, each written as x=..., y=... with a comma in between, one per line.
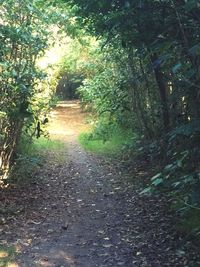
x=38, y=147
x=111, y=146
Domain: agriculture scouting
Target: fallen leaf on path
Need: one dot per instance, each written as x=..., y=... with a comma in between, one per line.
x=33, y=222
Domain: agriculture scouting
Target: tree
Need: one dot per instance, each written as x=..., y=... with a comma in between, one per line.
x=160, y=59
x=23, y=39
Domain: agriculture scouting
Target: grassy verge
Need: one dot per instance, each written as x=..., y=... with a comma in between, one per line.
x=7, y=255
x=32, y=155
x=38, y=147
x=113, y=146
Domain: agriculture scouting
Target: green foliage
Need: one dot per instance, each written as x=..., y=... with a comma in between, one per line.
x=180, y=177
x=24, y=38
x=105, y=142
x=76, y=65
x=146, y=31
x=150, y=83
x=188, y=130
x=142, y=76
x=26, y=89
x=38, y=147
x=190, y=223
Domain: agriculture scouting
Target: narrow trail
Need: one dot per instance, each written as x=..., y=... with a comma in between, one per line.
x=85, y=214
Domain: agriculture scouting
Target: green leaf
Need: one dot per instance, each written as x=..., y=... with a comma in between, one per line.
x=195, y=50
x=176, y=184
x=156, y=176
x=190, y=4
x=146, y=190
x=188, y=129
x=179, y=163
x=169, y=167
x=2, y=114
x=157, y=181
x=187, y=179
x=176, y=67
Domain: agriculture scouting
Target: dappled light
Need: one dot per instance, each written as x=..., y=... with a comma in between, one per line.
x=13, y=265
x=58, y=256
x=54, y=54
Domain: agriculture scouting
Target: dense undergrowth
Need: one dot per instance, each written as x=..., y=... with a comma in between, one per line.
x=145, y=79
x=28, y=73
x=169, y=175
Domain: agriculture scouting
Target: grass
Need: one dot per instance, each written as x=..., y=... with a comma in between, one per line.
x=40, y=146
x=113, y=146
x=32, y=155
x=7, y=255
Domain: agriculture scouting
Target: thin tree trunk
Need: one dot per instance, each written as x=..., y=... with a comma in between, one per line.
x=159, y=76
x=9, y=148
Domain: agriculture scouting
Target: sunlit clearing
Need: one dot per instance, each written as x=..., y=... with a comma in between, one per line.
x=66, y=121
x=58, y=127
x=52, y=56
x=56, y=51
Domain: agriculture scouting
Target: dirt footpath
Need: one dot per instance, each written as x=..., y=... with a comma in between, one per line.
x=84, y=212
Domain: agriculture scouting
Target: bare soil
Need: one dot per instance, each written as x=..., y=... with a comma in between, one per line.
x=83, y=211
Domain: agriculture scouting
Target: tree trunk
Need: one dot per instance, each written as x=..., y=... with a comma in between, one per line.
x=9, y=148
x=159, y=76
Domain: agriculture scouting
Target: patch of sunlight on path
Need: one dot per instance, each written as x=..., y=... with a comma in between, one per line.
x=13, y=265
x=67, y=121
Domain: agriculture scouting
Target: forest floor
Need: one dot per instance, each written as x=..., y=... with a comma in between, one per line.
x=84, y=210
